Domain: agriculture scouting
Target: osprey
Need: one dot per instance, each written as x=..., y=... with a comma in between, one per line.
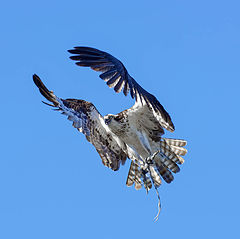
x=135, y=133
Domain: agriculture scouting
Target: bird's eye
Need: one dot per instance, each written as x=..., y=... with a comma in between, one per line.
x=117, y=118
x=108, y=120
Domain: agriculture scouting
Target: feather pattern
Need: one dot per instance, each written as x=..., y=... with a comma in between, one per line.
x=165, y=173
x=134, y=176
x=176, y=142
x=169, y=147
x=106, y=63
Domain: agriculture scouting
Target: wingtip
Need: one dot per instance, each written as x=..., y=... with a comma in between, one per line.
x=70, y=51
x=36, y=79
x=35, y=76
x=74, y=50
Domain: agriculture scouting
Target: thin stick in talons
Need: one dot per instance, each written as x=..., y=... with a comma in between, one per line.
x=159, y=201
x=159, y=206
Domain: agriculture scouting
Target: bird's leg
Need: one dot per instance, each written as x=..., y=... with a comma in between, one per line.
x=150, y=159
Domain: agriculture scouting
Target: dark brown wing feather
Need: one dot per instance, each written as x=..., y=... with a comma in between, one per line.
x=88, y=120
x=116, y=75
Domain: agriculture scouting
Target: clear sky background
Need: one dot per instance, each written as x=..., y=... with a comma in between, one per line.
x=52, y=181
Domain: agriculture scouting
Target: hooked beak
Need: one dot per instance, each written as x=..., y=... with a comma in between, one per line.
x=107, y=121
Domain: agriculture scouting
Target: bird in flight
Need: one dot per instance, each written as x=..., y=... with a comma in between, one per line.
x=135, y=133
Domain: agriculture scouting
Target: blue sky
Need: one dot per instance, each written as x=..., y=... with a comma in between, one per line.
x=52, y=181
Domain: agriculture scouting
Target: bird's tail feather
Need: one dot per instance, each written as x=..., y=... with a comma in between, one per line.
x=175, y=142
x=134, y=176
x=173, y=148
x=165, y=173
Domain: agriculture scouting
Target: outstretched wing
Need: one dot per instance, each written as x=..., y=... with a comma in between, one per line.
x=116, y=75
x=89, y=121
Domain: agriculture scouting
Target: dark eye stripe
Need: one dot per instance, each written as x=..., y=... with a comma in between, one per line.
x=117, y=118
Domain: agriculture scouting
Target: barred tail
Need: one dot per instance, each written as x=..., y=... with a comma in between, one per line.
x=169, y=158
x=134, y=176
x=173, y=148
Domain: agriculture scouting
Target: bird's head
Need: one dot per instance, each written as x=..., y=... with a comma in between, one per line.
x=113, y=122
x=108, y=119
